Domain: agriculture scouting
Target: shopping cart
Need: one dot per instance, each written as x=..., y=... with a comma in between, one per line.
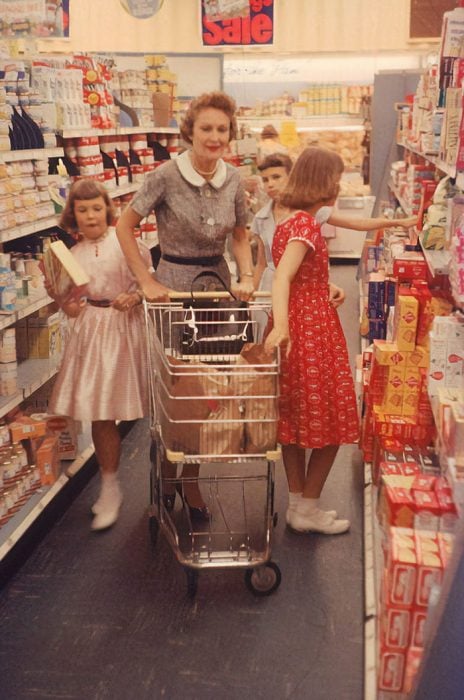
x=213, y=399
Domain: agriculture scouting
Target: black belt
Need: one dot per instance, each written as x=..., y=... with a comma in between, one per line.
x=104, y=303
x=202, y=262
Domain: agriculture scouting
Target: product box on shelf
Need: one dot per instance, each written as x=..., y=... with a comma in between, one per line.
x=44, y=336
x=48, y=460
x=66, y=430
x=396, y=501
x=26, y=427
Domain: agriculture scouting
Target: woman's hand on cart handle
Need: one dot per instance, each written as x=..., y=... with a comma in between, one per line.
x=244, y=289
x=154, y=291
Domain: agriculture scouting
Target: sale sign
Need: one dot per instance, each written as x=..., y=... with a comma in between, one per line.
x=237, y=22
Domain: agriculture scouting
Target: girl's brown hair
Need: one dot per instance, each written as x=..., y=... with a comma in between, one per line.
x=81, y=190
x=216, y=100
x=314, y=179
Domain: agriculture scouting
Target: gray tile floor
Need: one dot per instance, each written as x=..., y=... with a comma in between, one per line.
x=104, y=616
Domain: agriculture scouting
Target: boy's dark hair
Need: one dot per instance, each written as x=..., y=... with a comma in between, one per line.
x=276, y=160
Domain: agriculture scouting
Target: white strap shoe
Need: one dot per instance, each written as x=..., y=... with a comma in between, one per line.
x=295, y=500
x=107, y=506
x=316, y=521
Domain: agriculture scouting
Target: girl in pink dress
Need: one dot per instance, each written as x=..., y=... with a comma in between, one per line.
x=103, y=374
x=317, y=398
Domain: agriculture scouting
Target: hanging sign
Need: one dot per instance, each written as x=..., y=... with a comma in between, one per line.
x=142, y=9
x=237, y=22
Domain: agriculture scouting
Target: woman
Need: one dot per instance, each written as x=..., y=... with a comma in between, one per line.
x=269, y=143
x=198, y=200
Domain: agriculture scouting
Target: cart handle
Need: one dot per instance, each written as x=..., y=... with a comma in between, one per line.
x=213, y=295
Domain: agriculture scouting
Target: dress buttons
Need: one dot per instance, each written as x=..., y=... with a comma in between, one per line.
x=207, y=193
x=210, y=221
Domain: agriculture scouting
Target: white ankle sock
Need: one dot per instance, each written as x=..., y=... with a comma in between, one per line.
x=109, y=478
x=293, y=499
x=307, y=506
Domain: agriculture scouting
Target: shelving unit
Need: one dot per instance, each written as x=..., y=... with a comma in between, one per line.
x=27, y=229
x=30, y=154
x=335, y=122
x=437, y=260
x=372, y=566
x=21, y=521
x=118, y=131
x=24, y=308
x=34, y=373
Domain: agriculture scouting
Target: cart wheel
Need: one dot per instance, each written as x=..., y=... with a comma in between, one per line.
x=263, y=580
x=153, y=526
x=192, y=581
x=275, y=519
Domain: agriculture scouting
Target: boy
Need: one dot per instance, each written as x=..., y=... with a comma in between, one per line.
x=275, y=170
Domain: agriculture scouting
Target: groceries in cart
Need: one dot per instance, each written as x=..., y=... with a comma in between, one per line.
x=219, y=410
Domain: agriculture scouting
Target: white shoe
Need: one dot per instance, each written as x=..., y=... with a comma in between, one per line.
x=107, y=506
x=291, y=509
x=316, y=521
x=96, y=508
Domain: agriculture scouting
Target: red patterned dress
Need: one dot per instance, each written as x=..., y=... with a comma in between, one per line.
x=317, y=399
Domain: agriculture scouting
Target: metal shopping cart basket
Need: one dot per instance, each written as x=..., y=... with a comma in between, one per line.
x=213, y=399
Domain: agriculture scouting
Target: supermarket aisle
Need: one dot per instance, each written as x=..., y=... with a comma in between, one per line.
x=101, y=616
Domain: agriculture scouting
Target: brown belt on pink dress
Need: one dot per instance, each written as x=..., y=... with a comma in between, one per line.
x=102, y=303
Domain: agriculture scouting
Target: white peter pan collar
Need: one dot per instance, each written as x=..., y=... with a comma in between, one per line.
x=189, y=173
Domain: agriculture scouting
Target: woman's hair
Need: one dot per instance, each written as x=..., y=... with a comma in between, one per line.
x=276, y=160
x=81, y=190
x=216, y=100
x=269, y=132
x=314, y=179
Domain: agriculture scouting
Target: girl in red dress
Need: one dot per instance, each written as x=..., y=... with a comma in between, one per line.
x=317, y=406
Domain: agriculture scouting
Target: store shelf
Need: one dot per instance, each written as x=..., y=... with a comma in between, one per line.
x=432, y=158
x=27, y=229
x=372, y=574
x=122, y=131
x=21, y=521
x=331, y=122
x=437, y=260
x=30, y=154
x=370, y=600
x=8, y=403
x=405, y=207
x=121, y=191
x=32, y=374
x=24, y=308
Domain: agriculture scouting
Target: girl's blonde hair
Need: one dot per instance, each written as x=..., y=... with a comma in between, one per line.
x=82, y=190
x=216, y=100
x=313, y=179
